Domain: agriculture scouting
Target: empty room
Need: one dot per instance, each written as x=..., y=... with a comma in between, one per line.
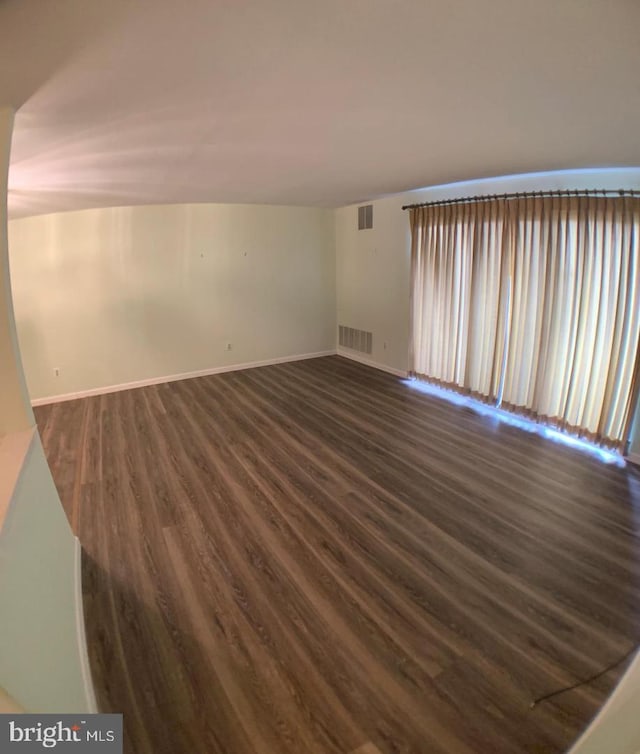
x=320, y=376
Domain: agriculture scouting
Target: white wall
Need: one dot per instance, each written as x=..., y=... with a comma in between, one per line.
x=119, y=295
x=372, y=278
x=43, y=661
x=15, y=411
x=615, y=730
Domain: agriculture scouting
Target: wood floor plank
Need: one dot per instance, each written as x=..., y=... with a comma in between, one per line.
x=367, y=748
x=305, y=557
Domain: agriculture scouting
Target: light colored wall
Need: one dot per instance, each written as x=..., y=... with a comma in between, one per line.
x=119, y=295
x=615, y=730
x=372, y=278
x=43, y=662
x=15, y=411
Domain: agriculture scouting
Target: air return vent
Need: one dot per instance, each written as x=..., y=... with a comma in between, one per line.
x=356, y=340
x=365, y=217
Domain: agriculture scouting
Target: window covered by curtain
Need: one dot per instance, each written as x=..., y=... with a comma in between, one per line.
x=532, y=303
x=458, y=277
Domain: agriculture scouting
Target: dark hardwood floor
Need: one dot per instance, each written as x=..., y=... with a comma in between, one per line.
x=314, y=558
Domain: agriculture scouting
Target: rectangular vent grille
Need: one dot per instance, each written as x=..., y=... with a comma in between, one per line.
x=365, y=217
x=356, y=340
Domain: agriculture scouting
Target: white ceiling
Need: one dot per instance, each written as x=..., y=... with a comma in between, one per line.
x=311, y=103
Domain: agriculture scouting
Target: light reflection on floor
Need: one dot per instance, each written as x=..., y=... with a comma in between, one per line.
x=506, y=417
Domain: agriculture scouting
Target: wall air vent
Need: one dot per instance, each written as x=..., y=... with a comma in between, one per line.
x=356, y=340
x=365, y=217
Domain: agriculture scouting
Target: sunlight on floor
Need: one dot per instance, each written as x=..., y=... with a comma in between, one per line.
x=603, y=454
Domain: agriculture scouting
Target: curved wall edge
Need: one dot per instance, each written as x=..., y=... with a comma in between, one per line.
x=83, y=649
x=43, y=653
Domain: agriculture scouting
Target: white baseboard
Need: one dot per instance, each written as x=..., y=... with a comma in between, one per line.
x=634, y=458
x=83, y=651
x=176, y=377
x=369, y=362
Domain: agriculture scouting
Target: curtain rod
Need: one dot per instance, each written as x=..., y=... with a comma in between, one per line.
x=527, y=194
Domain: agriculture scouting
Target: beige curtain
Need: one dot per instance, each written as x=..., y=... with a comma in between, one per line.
x=532, y=303
x=458, y=278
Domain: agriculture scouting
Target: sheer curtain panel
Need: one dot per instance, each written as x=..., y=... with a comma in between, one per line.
x=458, y=280
x=532, y=303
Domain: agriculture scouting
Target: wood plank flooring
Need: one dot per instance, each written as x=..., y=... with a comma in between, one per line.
x=314, y=558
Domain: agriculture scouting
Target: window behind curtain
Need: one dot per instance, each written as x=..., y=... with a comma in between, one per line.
x=533, y=303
